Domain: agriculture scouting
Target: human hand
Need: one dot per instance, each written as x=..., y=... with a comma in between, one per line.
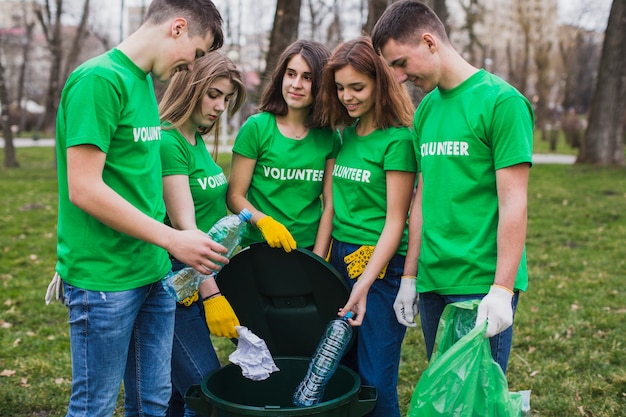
x=220, y=317
x=196, y=249
x=496, y=308
x=276, y=235
x=357, y=304
x=405, y=306
x=357, y=261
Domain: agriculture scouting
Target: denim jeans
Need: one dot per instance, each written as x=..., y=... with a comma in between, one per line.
x=193, y=354
x=431, y=307
x=120, y=335
x=379, y=338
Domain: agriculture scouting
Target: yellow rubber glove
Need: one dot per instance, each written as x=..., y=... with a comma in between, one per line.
x=276, y=235
x=187, y=301
x=220, y=317
x=357, y=261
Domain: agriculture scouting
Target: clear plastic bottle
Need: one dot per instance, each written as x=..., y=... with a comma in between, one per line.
x=324, y=362
x=228, y=232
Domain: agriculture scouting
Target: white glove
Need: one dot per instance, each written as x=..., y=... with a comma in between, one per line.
x=55, y=289
x=405, y=305
x=496, y=308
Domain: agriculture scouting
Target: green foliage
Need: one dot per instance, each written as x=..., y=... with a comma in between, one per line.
x=569, y=342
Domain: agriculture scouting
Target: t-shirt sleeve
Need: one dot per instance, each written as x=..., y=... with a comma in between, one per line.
x=174, y=156
x=94, y=117
x=512, y=132
x=336, y=144
x=247, y=140
x=400, y=155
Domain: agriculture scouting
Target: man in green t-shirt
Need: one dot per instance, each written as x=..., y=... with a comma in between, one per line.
x=112, y=242
x=473, y=143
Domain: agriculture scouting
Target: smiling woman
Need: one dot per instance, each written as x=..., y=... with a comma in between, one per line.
x=282, y=157
x=372, y=185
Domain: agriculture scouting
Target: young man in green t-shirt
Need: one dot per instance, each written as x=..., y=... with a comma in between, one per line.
x=112, y=242
x=473, y=142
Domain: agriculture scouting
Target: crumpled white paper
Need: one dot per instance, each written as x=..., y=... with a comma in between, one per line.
x=252, y=356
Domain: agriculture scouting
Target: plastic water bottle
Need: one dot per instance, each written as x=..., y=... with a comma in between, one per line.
x=227, y=231
x=324, y=362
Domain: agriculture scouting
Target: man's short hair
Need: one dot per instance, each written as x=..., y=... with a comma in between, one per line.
x=404, y=21
x=202, y=17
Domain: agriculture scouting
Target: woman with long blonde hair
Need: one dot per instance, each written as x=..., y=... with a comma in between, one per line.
x=194, y=189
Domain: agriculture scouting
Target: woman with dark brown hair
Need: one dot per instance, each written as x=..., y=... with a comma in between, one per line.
x=282, y=158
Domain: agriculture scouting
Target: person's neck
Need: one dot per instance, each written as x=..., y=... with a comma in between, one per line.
x=365, y=125
x=293, y=124
x=188, y=130
x=456, y=70
x=139, y=45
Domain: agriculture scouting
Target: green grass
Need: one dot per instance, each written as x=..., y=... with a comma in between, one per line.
x=543, y=146
x=570, y=339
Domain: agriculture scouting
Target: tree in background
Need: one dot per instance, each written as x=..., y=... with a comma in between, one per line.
x=375, y=9
x=603, y=143
x=284, y=32
x=29, y=25
x=580, y=56
x=49, y=16
x=10, y=160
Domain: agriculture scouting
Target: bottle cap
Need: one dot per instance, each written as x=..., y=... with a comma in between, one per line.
x=348, y=315
x=245, y=214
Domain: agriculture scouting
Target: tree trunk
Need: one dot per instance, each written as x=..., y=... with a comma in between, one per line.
x=77, y=44
x=284, y=32
x=10, y=159
x=375, y=9
x=543, y=114
x=28, y=40
x=603, y=142
x=52, y=30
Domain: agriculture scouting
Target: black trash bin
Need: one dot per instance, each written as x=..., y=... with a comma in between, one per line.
x=286, y=299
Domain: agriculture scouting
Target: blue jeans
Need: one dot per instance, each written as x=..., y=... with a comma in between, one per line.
x=431, y=307
x=379, y=338
x=120, y=335
x=193, y=355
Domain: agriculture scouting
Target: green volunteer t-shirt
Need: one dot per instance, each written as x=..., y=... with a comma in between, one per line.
x=109, y=102
x=463, y=136
x=287, y=180
x=207, y=181
x=360, y=182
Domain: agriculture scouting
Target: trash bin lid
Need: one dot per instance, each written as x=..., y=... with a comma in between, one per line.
x=286, y=299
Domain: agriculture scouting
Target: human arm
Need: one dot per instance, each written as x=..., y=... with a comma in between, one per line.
x=512, y=188
x=405, y=304
x=179, y=202
x=89, y=192
x=241, y=172
x=324, y=230
x=415, y=230
x=399, y=192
